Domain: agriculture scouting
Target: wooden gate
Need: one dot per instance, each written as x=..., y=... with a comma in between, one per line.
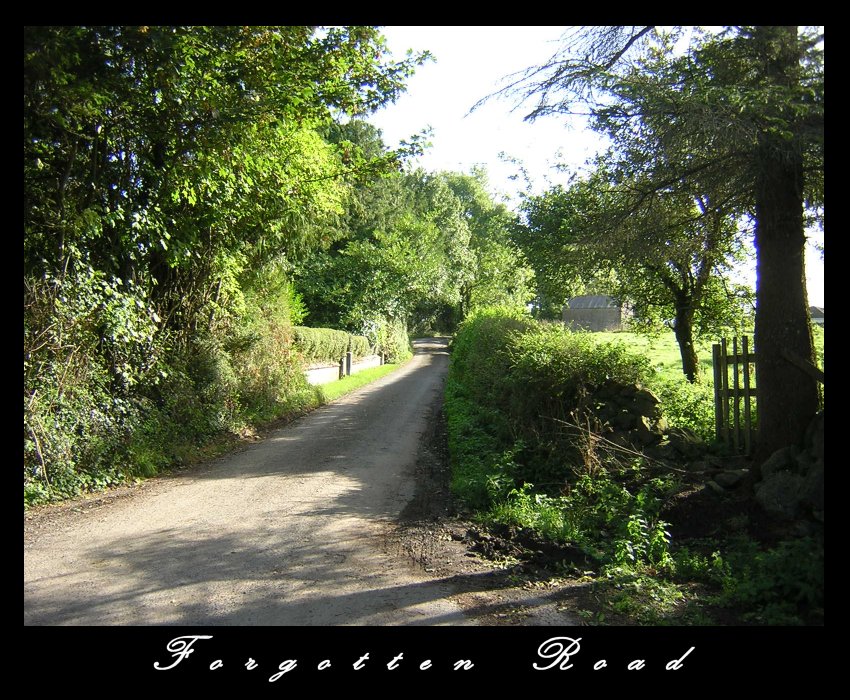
x=732, y=416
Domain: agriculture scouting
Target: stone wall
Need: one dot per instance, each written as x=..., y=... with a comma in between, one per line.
x=627, y=414
x=791, y=484
x=322, y=374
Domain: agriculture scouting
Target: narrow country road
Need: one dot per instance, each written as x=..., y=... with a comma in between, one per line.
x=284, y=532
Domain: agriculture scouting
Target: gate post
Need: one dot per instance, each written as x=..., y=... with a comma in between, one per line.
x=718, y=411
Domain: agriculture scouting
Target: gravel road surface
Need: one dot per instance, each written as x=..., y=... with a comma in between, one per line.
x=284, y=532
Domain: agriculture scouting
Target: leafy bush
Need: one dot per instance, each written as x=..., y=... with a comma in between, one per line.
x=390, y=337
x=687, y=405
x=696, y=566
x=103, y=404
x=478, y=353
x=779, y=583
x=479, y=438
x=482, y=469
x=90, y=345
x=597, y=511
x=518, y=383
x=545, y=514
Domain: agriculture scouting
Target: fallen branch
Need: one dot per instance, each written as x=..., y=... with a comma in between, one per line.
x=802, y=364
x=614, y=447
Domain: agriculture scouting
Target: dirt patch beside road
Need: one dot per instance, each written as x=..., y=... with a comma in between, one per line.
x=499, y=580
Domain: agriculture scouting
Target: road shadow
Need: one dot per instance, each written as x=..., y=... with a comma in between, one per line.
x=356, y=439
x=162, y=570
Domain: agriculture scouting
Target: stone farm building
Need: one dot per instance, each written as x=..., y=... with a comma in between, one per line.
x=595, y=312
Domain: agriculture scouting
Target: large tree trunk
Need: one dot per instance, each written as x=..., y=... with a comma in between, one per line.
x=787, y=396
x=684, y=330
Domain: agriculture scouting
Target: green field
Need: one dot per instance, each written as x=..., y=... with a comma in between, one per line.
x=663, y=352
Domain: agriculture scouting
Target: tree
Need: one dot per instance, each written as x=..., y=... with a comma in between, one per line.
x=419, y=248
x=403, y=255
x=744, y=107
x=163, y=168
x=175, y=158
x=151, y=151
x=500, y=274
x=665, y=257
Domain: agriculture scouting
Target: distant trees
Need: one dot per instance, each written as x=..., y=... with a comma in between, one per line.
x=416, y=248
x=500, y=273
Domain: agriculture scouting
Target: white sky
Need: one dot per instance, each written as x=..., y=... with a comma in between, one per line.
x=471, y=63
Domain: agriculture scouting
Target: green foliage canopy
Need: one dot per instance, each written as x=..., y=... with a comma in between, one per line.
x=171, y=174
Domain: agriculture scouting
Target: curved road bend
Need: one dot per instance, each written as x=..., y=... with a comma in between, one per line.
x=285, y=532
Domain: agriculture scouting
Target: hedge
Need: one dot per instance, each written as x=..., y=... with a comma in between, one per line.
x=512, y=386
x=329, y=345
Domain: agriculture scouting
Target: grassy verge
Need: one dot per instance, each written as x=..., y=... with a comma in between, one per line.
x=341, y=387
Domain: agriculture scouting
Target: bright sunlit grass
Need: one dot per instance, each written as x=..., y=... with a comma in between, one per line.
x=341, y=387
x=663, y=351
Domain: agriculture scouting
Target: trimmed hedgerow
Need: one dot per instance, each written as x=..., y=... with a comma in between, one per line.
x=513, y=387
x=328, y=345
